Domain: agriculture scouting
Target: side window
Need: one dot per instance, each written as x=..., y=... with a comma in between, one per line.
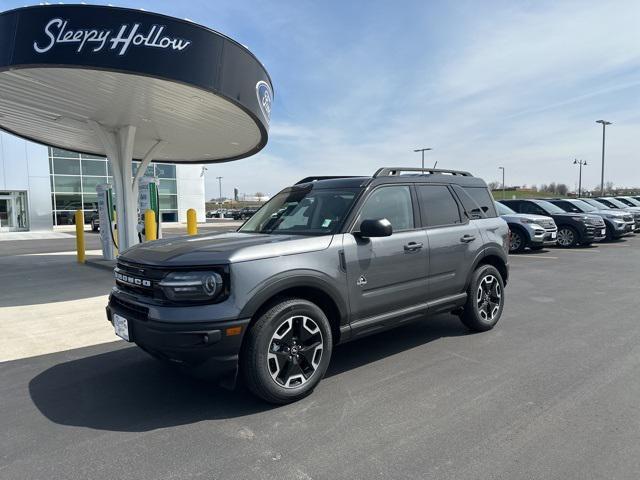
x=483, y=198
x=437, y=206
x=474, y=211
x=532, y=208
x=568, y=207
x=393, y=203
x=514, y=205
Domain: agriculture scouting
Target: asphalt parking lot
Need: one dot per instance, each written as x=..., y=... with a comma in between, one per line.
x=552, y=392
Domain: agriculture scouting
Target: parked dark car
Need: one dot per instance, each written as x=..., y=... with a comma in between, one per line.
x=573, y=228
x=618, y=223
x=617, y=205
x=245, y=213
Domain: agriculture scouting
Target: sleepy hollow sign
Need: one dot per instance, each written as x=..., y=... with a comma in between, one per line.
x=139, y=43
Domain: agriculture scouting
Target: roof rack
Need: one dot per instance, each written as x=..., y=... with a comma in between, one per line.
x=393, y=171
x=315, y=179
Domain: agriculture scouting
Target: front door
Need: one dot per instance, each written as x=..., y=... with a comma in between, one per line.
x=6, y=214
x=387, y=274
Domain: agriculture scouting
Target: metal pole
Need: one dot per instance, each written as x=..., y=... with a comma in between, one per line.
x=422, y=150
x=604, y=125
x=580, y=180
x=220, y=189
x=504, y=193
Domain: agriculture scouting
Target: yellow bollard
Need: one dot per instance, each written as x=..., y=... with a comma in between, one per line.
x=192, y=223
x=80, y=236
x=150, y=231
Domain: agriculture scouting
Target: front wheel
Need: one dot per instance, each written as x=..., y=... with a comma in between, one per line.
x=287, y=351
x=567, y=237
x=485, y=299
x=518, y=241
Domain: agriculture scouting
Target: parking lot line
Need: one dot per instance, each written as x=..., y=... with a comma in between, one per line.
x=532, y=256
x=581, y=251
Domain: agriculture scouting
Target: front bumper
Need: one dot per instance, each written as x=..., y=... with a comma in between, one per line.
x=208, y=349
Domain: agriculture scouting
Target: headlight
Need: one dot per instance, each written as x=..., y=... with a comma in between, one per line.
x=527, y=220
x=192, y=286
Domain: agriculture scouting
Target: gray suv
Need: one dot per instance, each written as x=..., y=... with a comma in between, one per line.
x=325, y=261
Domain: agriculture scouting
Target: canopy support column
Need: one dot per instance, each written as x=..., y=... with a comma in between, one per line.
x=119, y=148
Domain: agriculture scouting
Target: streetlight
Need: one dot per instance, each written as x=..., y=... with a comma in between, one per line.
x=604, y=126
x=220, y=186
x=581, y=163
x=504, y=195
x=422, y=150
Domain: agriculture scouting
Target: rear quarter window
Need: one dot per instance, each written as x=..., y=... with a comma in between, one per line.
x=483, y=198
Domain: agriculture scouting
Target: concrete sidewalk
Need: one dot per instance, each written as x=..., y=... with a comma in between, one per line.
x=50, y=303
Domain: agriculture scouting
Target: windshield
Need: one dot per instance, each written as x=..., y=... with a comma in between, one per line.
x=584, y=206
x=503, y=209
x=617, y=203
x=302, y=211
x=549, y=207
x=598, y=205
x=632, y=202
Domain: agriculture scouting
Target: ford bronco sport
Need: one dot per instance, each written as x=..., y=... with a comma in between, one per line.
x=325, y=261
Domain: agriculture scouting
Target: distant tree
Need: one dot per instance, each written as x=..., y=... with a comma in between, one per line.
x=561, y=189
x=609, y=186
x=544, y=187
x=494, y=185
x=534, y=188
x=259, y=194
x=552, y=187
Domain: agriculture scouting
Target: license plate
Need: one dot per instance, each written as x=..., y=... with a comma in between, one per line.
x=603, y=231
x=121, y=327
x=554, y=235
x=633, y=226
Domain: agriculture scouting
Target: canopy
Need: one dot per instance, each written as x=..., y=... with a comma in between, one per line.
x=130, y=84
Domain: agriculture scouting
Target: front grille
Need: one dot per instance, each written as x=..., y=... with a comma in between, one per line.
x=547, y=224
x=138, y=279
x=129, y=309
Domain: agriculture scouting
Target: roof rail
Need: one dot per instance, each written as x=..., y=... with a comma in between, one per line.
x=392, y=171
x=315, y=179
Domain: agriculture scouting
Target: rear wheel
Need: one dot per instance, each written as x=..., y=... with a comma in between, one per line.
x=287, y=351
x=518, y=241
x=567, y=237
x=485, y=299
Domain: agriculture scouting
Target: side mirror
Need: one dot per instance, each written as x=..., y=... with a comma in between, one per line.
x=380, y=227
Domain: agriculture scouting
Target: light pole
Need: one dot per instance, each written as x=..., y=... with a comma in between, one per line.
x=504, y=194
x=604, y=126
x=581, y=163
x=220, y=186
x=422, y=150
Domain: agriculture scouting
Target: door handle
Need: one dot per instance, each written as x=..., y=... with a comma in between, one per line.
x=412, y=246
x=467, y=238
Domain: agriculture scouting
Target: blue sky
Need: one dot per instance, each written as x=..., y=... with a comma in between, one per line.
x=360, y=84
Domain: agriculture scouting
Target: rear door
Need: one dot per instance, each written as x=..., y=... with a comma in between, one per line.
x=387, y=274
x=454, y=240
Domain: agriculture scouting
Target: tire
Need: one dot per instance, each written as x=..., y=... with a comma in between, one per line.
x=484, y=294
x=567, y=237
x=272, y=369
x=518, y=241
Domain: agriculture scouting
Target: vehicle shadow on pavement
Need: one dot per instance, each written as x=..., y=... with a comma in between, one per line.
x=126, y=390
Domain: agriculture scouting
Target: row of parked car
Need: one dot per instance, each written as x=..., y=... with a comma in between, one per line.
x=234, y=213
x=568, y=222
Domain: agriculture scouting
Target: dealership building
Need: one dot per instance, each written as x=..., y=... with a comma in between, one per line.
x=41, y=187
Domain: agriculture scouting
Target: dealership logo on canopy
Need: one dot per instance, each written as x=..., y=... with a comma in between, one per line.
x=58, y=32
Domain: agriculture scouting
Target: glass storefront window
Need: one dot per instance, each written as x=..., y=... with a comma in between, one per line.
x=169, y=216
x=63, y=183
x=148, y=173
x=94, y=167
x=66, y=166
x=92, y=157
x=168, y=202
x=58, y=152
x=64, y=218
x=90, y=201
x=89, y=183
x=65, y=201
x=168, y=187
x=166, y=170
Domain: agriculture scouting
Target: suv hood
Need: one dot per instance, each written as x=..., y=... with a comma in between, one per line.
x=221, y=248
x=526, y=216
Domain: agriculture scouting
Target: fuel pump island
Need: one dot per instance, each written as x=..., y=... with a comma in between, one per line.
x=130, y=84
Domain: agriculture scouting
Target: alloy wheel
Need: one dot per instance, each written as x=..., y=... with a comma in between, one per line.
x=565, y=237
x=516, y=241
x=295, y=351
x=489, y=297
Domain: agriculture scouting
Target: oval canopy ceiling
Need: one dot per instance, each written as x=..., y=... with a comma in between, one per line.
x=202, y=93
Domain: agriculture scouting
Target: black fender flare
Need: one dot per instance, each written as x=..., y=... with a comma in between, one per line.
x=521, y=229
x=296, y=279
x=489, y=251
